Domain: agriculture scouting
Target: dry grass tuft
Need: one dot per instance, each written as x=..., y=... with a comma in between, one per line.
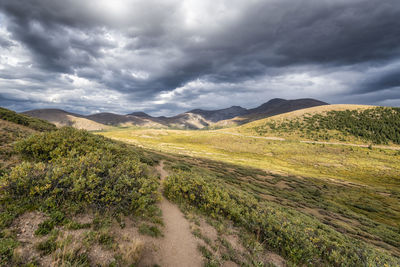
x=70, y=252
x=131, y=251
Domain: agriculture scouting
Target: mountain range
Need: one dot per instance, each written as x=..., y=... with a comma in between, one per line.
x=193, y=119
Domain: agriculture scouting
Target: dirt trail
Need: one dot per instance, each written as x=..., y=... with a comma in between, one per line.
x=313, y=142
x=257, y=137
x=178, y=247
x=350, y=144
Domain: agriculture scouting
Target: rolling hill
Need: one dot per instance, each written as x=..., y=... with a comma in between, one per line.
x=63, y=118
x=346, y=184
x=72, y=198
x=278, y=106
x=221, y=114
x=193, y=119
x=345, y=123
x=13, y=127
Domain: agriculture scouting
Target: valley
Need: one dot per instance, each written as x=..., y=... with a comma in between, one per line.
x=207, y=133
x=192, y=119
x=251, y=195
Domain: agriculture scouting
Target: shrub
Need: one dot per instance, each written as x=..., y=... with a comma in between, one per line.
x=149, y=230
x=73, y=169
x=106, y=240
x=7, y=246
x=298, y=237
x=45, y=227
x=49, y=245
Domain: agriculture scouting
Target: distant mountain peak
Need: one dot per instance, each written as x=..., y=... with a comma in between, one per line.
x=220, y=114
x=194, y=119
x=140, y=114
x=277, y=106
x=275, y=101
x=40, y=112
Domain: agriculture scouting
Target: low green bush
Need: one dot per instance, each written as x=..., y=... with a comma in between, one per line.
x=7, y=246
x=45, y=227
x=49, y=245
x=106, y=240
x=68, y=171
x=73, y=169
x=298, y=237
x=150, y=230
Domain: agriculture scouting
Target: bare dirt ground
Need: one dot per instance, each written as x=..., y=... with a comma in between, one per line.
x=178, y=247
x=25, y=227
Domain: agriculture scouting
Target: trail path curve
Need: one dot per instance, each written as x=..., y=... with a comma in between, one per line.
x=178, y=247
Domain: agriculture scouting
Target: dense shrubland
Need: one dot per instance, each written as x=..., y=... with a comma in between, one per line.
x=74, y=169
x=378, y=125
x=68, y=171
x=33, y=123
x=13, y=127
x=298, y=237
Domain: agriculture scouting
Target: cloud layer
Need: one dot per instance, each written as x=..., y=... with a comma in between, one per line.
x=167, y=56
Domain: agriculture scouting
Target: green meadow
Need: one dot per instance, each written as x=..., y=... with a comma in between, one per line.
x=305, y=204
x=354, y=190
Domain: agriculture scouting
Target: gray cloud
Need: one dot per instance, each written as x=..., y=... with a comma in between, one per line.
x=167, y=56
x=386, y=80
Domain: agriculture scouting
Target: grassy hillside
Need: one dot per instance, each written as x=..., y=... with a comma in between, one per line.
x=374, y=125
x=300, y=238
x=353, y=164
x=14, y=126
x=33, y=123
x=62, y=174
x=72, y=198
x=350, y=194
x=62, y=118
x=9, y=133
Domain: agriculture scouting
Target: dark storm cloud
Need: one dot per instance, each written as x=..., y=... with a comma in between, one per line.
x=5, y=43
x=56, y=48
x=158, y=54
x=386, y=80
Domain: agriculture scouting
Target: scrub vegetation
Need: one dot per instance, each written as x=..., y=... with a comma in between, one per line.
x=347, y=193
x=379, y=125
x=298, y=237
x=72, y=198
x=62, y=173
x=360, y=165
x=33, y=123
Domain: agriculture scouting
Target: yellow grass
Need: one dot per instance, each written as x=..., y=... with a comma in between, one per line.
x=356, y=164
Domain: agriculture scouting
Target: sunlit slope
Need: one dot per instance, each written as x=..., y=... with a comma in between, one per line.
x=356, y=190
x=299, y=114
x=344, y=123
x=357, y=164
x=352, y=188
x=314, y=110
x=62, y=118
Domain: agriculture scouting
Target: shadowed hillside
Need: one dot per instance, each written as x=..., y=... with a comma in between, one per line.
x=28, y=121
x=193, y=119
x=72, y=198
x=62, y=118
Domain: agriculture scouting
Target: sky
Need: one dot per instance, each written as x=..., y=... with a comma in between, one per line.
x=169, y=56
